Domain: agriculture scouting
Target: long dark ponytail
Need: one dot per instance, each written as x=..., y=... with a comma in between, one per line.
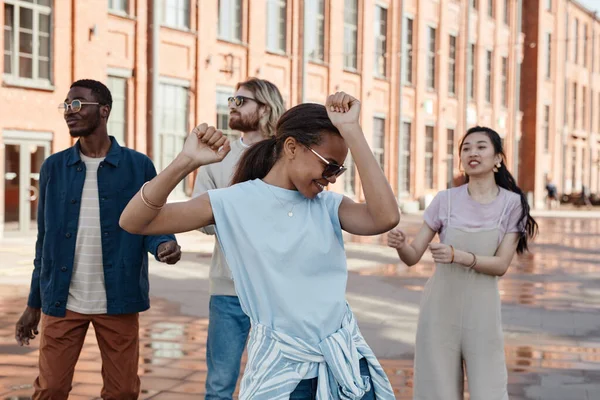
x=528, y=226
x=306, y=123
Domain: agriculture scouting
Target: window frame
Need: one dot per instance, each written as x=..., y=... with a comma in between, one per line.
x=15, y=55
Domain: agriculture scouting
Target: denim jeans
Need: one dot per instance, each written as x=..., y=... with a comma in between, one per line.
x=307, y=389
x=228, y=329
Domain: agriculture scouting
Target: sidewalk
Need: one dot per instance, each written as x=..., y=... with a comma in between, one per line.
x=550, y=303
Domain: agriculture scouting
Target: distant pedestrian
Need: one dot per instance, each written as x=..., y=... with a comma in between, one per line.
x=551, y=194
x=585, y=196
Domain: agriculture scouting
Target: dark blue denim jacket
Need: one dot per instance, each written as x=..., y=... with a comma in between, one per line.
x=125, y=256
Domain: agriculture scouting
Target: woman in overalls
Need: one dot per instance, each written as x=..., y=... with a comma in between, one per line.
x=481, y=225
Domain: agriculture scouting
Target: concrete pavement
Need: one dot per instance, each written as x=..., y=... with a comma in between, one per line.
x=550, y=300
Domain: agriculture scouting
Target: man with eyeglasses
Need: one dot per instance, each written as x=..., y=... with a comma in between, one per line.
x=86, y=268
x=254, y=110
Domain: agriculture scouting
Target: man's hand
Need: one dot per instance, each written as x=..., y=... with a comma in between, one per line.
x=169, y=252
x=27, y=326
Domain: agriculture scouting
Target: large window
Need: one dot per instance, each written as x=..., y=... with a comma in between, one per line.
x=591, y=119
x=176, y=13
x=379, y=140
x=223, y=112
x=574, y=116
x=120, y=6
x=380, y=69
x=429, y=165
x=431, y=51
x=408, y=67
x=350, y=34
x=546, y=128
x=585, y=44
x=549, y=5
x=576, y=41
x=506, y=11
x=504, y=82
x=315, y=34
x=174, y=112
x=277, y=25
x=450, y=157
x=117, y=122
x=548, y=55
x=574, y=180
x=471, y=70
x=27, y=39
x=491, y=8
x=452, y=66
x=567, y=44
x=349, y=176
x=583, y=108
x=405, y=159
x=230, y=20
x=488, y=76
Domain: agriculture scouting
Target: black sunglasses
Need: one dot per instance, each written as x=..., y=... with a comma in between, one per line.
x=238, y=101
x=331, y=169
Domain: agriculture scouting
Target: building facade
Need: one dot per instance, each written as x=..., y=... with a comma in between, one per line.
x=561, y=98
x=424, y=70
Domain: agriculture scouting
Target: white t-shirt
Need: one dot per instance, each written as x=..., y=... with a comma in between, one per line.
x=87, y=291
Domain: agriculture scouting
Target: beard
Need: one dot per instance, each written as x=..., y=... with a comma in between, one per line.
x=244, y=123
x=88, y=130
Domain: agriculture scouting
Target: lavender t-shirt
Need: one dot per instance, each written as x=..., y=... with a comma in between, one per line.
x=468, y=213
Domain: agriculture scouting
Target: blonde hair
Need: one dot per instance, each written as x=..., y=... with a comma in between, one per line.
x=266, y=93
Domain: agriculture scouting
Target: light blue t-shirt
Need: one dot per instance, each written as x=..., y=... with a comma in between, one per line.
x=290, y=273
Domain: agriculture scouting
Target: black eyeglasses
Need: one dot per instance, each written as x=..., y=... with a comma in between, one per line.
x=238, y=101
x=331, y=169
x=75, y=106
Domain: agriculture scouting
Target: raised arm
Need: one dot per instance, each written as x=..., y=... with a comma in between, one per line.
x=380, y=212
x=147, y=213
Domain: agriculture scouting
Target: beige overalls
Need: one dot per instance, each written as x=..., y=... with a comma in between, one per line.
x=460, y=320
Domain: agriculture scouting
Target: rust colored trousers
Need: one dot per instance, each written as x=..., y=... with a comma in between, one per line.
x=60, y=345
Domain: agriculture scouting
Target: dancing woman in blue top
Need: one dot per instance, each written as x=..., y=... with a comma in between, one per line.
x=281, y=234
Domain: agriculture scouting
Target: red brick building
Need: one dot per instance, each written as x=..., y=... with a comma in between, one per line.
x=171, y=64
x=561, y=98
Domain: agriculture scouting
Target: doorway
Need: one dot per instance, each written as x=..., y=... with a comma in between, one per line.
x=24, y=154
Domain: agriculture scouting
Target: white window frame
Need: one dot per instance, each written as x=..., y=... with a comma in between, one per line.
x=452, y=63
x=35, y=80
x=183, y=16
x=111, y=121
x=429, y=157
x=351, y=49
x=378, y=37
x=274, y=28
x=379, y=152
x=405, y=154
x=114, y=8
x=431, y=80
x=408, y=50
x=228, y=24
x=224, y=92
